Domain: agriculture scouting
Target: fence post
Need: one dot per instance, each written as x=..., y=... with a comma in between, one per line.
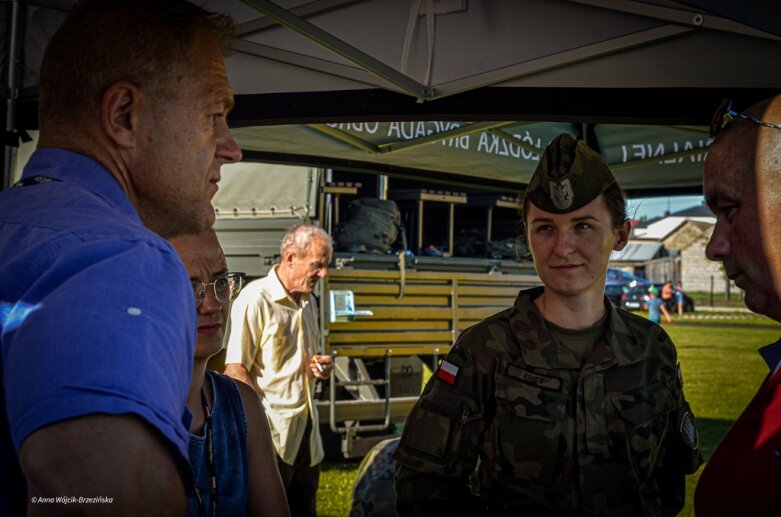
x=711, y=290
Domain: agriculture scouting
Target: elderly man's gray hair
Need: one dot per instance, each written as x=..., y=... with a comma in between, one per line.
x=300, y=239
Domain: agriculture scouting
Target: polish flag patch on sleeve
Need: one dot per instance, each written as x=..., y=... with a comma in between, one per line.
x=448, y=372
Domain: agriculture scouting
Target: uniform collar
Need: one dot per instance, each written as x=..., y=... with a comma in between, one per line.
x=540, y=350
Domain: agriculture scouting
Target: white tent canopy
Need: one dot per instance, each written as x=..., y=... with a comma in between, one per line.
x=637, y=80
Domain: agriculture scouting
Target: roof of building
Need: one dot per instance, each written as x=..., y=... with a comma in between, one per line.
x=660, y=230
x=637, y=252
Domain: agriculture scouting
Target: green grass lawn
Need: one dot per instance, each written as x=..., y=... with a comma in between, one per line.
x=721, y=369
x=336, y=489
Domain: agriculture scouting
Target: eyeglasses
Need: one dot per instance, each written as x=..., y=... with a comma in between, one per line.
x=725, y=115
x=226, y=288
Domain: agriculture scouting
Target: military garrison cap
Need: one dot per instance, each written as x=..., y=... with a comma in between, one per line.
x=569, y=176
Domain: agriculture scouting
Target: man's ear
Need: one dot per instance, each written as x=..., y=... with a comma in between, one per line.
x=622, y=235
x=287, y=258
x=119, y=113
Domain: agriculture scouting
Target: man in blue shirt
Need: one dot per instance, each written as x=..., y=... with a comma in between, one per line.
x=96, y=338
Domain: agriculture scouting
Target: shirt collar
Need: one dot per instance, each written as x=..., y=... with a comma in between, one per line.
x=623, y=342
x=772, y=355
x=275, y=287
x=279, y=293
x=535, y=338
x=82, y=171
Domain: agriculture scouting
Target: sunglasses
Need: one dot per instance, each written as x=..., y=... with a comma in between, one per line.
x=725, y=116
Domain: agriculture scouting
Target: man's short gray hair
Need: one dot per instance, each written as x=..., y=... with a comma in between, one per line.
x=146, y=42
x=299, y=238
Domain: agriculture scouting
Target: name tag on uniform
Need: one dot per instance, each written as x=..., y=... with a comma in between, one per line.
x=535, y=379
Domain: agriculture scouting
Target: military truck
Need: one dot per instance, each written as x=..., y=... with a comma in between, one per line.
x=386, y=316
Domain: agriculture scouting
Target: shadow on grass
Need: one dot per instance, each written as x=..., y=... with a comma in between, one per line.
x=712, y=431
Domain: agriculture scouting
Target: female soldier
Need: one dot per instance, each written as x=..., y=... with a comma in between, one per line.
x=562, y=404
x=230, y=443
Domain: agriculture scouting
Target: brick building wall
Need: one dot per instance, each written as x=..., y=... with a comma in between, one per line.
x=697, y=271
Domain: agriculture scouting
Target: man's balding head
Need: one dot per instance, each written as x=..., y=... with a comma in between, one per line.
x=742, y=185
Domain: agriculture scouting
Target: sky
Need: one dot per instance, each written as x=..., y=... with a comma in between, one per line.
x=650, y=207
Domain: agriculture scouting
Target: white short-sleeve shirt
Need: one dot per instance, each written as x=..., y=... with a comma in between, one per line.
x=274, y=338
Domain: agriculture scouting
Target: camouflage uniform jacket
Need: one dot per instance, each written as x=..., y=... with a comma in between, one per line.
x=537, y=430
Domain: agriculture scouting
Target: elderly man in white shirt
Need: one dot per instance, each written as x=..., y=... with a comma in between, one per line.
x=273, y=348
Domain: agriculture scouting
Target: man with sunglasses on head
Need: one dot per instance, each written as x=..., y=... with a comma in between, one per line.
x=273, y=347
x=97, y=314
x=742, y=186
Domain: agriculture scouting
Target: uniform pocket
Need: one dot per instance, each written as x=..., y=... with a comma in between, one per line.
x=643, y=421
x=532, y=431
x=436, y=427
x=644, y=403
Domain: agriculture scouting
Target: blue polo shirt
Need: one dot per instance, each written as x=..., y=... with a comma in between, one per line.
x=96, y=311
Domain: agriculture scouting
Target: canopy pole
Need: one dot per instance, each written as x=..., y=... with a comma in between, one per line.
x=328, y=224
x=14, y=57
x=327, y=40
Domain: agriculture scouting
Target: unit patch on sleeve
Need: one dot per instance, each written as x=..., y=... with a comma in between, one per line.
x=448, y=372
x=688, y=431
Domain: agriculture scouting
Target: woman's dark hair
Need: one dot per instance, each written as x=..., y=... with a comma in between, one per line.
x=615, y=200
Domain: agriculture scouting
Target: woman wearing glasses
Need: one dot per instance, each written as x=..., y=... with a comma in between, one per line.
x=230, y=444
x=561, y=404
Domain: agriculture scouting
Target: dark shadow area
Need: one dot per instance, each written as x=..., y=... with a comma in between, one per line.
x=712, y=431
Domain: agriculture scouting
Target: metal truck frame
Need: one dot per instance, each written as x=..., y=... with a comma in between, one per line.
x=383, y=317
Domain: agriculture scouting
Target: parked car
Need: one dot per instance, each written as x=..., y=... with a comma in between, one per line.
x=636, y=299
x=618, y=282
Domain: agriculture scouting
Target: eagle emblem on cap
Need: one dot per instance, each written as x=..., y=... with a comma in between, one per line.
x=561, y=194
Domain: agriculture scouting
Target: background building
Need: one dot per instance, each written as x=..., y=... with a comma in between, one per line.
x=673, y=248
